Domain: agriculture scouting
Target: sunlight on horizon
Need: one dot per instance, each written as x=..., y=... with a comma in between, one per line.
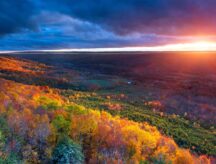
x=193, y=46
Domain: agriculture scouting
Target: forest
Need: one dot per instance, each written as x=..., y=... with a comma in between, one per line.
x=46, y=119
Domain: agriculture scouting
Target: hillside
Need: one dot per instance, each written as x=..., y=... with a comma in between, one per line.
x=46, y=118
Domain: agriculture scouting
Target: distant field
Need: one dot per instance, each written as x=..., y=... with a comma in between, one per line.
x=184, y=83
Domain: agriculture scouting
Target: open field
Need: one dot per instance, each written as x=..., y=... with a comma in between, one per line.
x=184, y=83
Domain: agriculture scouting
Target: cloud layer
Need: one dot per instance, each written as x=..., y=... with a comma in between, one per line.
x=15, y=16
x=37, y=24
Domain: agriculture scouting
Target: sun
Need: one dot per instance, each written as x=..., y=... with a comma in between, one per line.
x=194, y=46
x=205, y=46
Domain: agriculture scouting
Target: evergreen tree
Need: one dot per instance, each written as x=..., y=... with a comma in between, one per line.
x=67, y=152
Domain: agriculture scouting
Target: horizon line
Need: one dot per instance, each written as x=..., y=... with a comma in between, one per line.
x=180, y=47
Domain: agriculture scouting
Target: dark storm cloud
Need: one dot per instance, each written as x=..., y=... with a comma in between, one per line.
x=15, y=16
x=39, y=24
x=185, y=17
x=173, y=17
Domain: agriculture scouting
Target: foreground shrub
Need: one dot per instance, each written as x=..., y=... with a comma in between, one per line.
x=67, y=152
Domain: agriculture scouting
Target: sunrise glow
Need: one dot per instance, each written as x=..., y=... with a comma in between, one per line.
x=195, y=46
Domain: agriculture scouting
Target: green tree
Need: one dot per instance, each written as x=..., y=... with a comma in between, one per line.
x=11, y=159
x=61, y=124
x=67, y=152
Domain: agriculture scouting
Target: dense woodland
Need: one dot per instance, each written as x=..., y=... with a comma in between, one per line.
x=43, y=124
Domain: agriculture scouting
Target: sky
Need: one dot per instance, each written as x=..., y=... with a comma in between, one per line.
x=64, y=24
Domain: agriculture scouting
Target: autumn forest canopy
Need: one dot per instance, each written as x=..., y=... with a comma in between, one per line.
x=44, y=118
